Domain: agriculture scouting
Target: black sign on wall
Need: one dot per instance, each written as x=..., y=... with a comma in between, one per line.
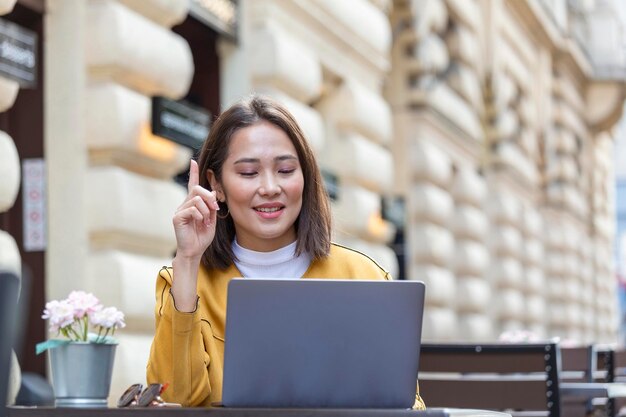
x=180, y=122
x=18, y=54
x=394, y=211
x=331, y=183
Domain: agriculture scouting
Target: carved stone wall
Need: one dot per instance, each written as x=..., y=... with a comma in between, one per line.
x=500, y=91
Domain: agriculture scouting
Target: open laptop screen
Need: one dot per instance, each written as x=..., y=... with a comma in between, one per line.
x=322, y=343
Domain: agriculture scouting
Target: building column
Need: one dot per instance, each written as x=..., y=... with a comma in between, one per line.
x=10, y=173
x=111, y=191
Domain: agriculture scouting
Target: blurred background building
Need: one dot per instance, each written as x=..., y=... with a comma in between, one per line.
x=465, y=143
x=620, y=215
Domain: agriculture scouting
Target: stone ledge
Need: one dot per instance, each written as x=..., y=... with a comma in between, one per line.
x=439, y=324
x=469, y=223
x=506, y=273
x=118, y=132
x=132, y=50
x=285, y=63
x=363, y=19
x=505, y=240
x=429, y=163
x=536, y=308
x=10, y=259
x=471, y=258
x=429, y=17
x=163, y=12
x=10, y=172
x=327, y=35
x=125, y=280
x=535, y=280
x=533, y=252
x=440, y=283
x=6, y=6
x=464, y=44
x=510, y=305
x=467, y=11
x=503, y=208
x=354, y=209
x=469, y=187
x=363, y=162
x=475, y=327
x=353, y=107
x=472, y=294
x=430, y=244
x=446, y=102
x=119, y=202
x=428, y=202
x=8, y=93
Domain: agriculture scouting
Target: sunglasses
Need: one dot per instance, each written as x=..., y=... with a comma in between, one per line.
x=137, y=396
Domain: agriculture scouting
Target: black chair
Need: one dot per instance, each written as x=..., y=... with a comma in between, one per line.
x=578, y=365
x=598, y=385
x=611, y=369
x=520, y=379
x=35, y=390
x=9, y=285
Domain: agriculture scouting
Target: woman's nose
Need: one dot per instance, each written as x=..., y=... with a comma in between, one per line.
x=269, y=185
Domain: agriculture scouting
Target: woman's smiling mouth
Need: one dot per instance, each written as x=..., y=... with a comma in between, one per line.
x=270, y=211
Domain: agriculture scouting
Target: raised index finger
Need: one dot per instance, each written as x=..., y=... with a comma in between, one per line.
x=193, y=175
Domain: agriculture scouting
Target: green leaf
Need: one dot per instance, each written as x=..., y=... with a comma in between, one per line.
x=50, y=344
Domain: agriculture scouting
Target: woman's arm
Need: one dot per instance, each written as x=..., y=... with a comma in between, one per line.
x=194, y=226
x=177, y=355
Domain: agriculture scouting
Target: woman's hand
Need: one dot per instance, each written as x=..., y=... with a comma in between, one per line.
x=195, y=219
x=194, y=225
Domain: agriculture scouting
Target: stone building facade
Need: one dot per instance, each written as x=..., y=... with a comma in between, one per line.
x=505, y=108
x=490, y=119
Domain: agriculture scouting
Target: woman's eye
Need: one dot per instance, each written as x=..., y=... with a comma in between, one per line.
x=247, y=174
x=287, y=171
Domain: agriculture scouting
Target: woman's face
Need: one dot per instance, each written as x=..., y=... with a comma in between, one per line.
x=262, y=184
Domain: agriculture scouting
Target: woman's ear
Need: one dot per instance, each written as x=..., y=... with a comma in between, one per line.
x=215, y=185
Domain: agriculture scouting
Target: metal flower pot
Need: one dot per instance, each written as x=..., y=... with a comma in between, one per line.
x=81, y=374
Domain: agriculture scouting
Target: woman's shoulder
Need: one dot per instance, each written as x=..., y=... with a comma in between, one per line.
x=346, y=262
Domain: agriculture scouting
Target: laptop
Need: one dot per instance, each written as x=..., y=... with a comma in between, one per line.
x=319, y=343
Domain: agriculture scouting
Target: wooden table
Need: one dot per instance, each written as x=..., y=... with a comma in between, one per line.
x=242, y=412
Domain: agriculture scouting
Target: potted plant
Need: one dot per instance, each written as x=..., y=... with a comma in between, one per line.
x=81, y=361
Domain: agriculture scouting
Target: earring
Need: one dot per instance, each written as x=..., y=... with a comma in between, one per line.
x=225, y=216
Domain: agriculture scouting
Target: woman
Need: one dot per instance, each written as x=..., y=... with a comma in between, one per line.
x=255, y=208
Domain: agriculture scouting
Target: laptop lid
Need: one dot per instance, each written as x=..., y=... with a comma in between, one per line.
x=322, y=343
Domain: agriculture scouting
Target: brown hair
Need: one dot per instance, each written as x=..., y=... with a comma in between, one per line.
x=313, y=225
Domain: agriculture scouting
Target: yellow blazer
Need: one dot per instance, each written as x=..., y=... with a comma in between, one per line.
x=188, y=348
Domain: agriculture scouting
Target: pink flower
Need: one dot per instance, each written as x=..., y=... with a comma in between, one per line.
x=71, y=317
x=83, y=303
x=108, y=318
x=60, y=314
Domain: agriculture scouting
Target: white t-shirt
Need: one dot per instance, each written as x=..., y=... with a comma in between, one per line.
x=281, y=263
